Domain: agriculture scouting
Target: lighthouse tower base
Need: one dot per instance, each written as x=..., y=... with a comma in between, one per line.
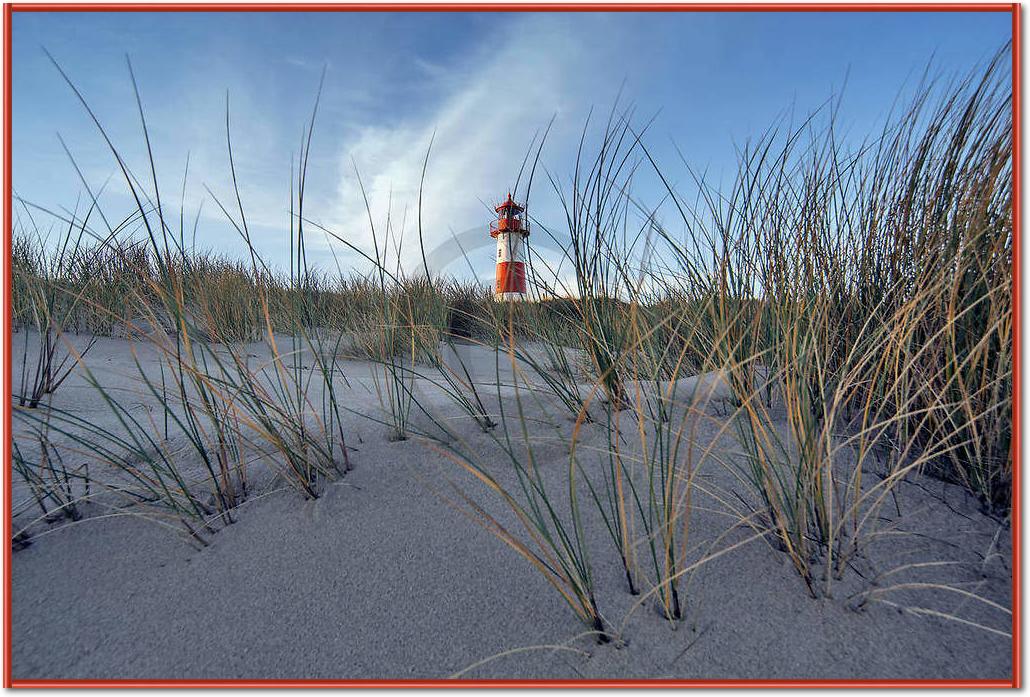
x=509, y=296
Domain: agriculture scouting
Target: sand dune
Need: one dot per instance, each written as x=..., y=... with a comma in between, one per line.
x=386, y=576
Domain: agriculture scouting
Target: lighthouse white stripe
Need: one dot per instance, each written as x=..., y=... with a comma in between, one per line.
x=510, y=247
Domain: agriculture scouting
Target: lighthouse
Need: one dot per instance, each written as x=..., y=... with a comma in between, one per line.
x=510, y=231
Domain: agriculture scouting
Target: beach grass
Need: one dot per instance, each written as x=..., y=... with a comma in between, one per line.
x=850, y=300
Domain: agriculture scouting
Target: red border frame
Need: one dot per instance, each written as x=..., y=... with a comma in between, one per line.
x=8, y=374
x=515, y=7
x=1013, y=8
x=1017, y=342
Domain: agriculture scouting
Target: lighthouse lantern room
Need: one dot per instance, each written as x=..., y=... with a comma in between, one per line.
x=510, y=231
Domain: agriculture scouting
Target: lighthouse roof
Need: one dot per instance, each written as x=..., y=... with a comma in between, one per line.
x=509, y=205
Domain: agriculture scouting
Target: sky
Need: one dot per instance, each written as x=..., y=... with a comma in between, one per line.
x=478, y=86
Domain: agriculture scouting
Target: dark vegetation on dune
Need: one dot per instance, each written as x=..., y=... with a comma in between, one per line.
x=861, y=293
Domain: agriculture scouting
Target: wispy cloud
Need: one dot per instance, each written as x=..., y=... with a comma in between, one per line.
x=486, y=117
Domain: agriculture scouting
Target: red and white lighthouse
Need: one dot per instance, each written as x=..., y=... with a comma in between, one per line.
x=510, y=231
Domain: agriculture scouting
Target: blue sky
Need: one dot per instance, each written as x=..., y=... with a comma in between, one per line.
x=483, y=83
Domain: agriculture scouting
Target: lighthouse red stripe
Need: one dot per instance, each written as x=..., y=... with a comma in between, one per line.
x=511, y=277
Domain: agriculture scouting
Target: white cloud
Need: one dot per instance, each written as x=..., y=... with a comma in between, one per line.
x=525, y=73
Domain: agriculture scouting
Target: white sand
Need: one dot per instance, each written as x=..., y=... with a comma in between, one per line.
x=381, y=577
